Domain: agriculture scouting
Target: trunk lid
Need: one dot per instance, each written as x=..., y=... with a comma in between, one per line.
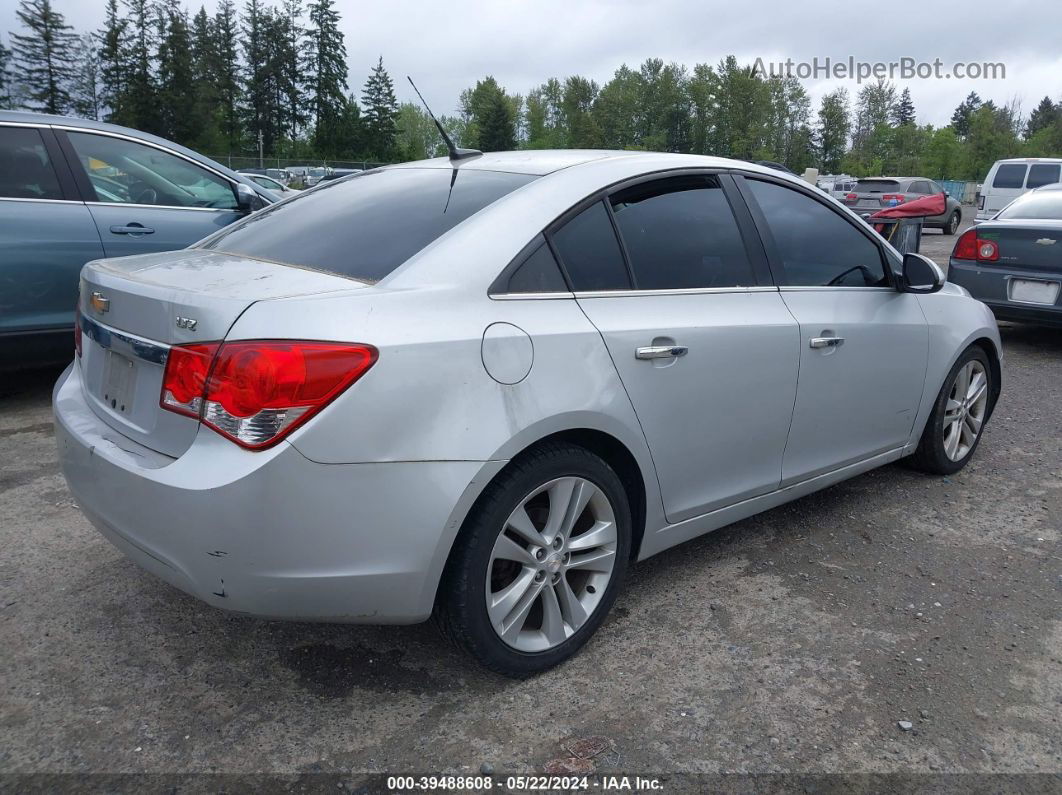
x=1034, y=245
x=133, y=309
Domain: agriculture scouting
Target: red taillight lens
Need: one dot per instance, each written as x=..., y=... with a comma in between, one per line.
x=970, y=246
x=77, y=328
x=256, y=392
x=851, y=197
x=900, y=197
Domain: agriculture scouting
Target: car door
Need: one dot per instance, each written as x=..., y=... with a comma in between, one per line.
x=144, y=198
x=46, y=233
x=703, y=344
x=863, y=344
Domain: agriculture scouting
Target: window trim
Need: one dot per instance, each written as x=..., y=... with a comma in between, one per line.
x=887, y=261
x=499, y=287
x=88, y=192
x=57, y=161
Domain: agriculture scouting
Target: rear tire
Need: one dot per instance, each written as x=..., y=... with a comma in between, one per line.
x=526, y=584
x=956, y=424
x=952, y=224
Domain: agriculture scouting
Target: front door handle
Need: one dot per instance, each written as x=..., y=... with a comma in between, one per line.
x=132, y=229
x=826, y=342
x=661, y=352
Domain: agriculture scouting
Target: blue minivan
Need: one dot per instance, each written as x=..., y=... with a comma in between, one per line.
x=73, y=190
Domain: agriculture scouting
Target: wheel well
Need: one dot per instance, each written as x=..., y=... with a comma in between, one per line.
x=989, y=348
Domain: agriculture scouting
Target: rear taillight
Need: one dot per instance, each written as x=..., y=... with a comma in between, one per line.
x=970, y=246
x=77, y=328
x=900, y=198
x=851, y=197
x=256, y=392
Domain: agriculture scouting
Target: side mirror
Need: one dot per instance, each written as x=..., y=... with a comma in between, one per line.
x=247, y=200
x=920, y=274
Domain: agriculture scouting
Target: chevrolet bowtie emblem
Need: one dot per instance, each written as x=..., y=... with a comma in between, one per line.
x=1045, y=241
x=100, y=303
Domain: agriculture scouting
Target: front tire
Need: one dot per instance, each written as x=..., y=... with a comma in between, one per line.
x=539, y=562
x=956, y=424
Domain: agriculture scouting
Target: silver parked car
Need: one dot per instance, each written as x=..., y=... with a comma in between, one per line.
x=871, y=194
x=480, y=389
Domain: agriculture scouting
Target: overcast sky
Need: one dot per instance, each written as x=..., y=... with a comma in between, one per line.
x=446, y=46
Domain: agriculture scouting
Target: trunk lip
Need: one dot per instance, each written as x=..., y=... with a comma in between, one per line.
x=135, y=346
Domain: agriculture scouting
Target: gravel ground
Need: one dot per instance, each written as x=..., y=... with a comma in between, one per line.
x=793, y=642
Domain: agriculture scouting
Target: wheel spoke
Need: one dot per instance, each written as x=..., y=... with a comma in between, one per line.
x=600, y=534
x=962, y=380
x=522, y=525
x=974, y=423
x=951, y=439
x=507, y=549
x=951, y=410
x=967, y=435
x=505, y=603
x=598, y=560
x=567, y=500
x=552, y=618
x=978, y=387
x=571, y=607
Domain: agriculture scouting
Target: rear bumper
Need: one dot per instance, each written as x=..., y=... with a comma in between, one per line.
x=989, y=284
x=271, y=533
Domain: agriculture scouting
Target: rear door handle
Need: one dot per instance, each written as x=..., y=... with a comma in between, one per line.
x=826, y=342
x=660, y=352
x=132, y=229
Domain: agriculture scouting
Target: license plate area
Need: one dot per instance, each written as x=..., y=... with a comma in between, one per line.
x=1033, y=291
x=119, y=383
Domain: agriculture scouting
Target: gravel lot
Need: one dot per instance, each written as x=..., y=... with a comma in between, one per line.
x=793, y=642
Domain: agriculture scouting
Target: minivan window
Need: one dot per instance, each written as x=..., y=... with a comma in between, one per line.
x=681, y=233
x=25, y=170
x=1010, y=175
x=1043, y=174
x=591, y=254
x=366, y=226
x=816, y=245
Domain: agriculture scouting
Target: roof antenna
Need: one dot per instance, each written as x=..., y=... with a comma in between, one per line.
x=454, y=152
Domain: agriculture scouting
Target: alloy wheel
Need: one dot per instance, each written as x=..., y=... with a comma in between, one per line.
x=964, y=413
x=551, y=564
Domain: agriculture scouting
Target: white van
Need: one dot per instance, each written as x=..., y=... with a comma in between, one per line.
x=1009, y=179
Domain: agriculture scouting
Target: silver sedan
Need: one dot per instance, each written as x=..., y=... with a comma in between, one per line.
x=482, y=389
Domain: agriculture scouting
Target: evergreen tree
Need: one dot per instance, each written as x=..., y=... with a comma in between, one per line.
x=960, y=119
x=903, y=112
x=113, y=41
x=381, y=110
x=259, y=96
x=226, y=75
x=5, y=77
x=326, y=68
x=1046, y=114
x=351, y=130
x=139, y=103
x=291, y=78
x=206, y=102
x=832, y=131
x=577, y=120
x=497, y=127
x=176, y=85
x=617, y=109
x=86, y=86
x=44, y=57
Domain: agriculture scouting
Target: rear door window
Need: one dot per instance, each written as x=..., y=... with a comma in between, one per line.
x=1043, y=174
x=366, y=226
x=26, y=172
x=681, y=233
x=590, y=253
x=1010, y=175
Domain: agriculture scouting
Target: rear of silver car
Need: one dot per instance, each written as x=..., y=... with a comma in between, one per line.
x=266, y=531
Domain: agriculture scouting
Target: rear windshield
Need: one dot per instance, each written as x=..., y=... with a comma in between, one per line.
x=1046, y=205
x=366, y=226
x=876, y=185
x=1010, y=175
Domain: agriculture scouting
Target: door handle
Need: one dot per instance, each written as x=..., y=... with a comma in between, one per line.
x=661, y=352
x=132, y=229
x=826, y=342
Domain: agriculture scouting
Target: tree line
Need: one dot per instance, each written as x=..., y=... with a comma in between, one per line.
x=276, y=77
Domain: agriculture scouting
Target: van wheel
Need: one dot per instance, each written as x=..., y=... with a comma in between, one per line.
x=539, y=561
x=955, y=425
x=953, y=223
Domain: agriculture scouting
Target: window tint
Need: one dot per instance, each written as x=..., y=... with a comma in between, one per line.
x=1042, y=204
x=539, y=273
x=877, y=186
x=816, y=245
x=588, y=247
x=25, y=170
x=681, y=233
x=1043, y=174
x=920, y=186
x=1009, y=175
x=126, y=172
x=936, y=188
x=369, y=224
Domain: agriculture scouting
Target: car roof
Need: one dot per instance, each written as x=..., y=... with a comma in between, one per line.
x=29, y=117
x=1052, y=186
x=1029, y=160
